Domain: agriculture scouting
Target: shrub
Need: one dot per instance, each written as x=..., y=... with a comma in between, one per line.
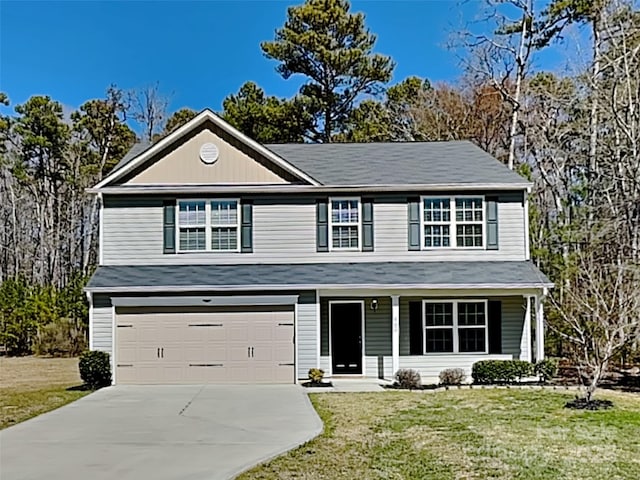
x=500, y=371
x=316, y=375
x=95, y=369
x=408, y=378
x=61, y=338
x=546, y=369
x=452, y=376
x=522, y=368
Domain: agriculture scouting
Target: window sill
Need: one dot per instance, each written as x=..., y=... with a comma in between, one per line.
x=431, y=249
x=201, y=252
x=443, y=354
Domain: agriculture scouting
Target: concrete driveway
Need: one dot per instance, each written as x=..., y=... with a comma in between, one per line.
x=159, y=432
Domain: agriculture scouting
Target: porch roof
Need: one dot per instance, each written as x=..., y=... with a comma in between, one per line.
x=364, y=275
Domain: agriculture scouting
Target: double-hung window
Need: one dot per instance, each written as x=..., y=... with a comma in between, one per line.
x=208, y=225
x=469, y=222
x=455, y=326
x=345, y=224
x=452, y=222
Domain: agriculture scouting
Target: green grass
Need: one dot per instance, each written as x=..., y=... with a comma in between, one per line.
x=465, y=434
x=31, y=386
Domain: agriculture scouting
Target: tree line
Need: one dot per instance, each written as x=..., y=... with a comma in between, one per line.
x=575, y=136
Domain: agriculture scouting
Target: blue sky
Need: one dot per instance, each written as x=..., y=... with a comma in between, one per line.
x=200, y=51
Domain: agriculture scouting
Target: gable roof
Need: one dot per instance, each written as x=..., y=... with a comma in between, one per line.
x=438, y=165
x=139, y=154
x=399, y=163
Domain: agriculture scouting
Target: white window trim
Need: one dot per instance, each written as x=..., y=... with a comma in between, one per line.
x=455, y=327
x=453, y=243
x=345, y=224
x=208, y=225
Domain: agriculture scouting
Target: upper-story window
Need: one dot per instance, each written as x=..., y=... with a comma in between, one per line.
x=208, y=225
x=345, y=224
x=462, y=228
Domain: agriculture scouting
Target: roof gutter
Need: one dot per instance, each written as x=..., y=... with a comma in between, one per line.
x=212, y=188
x=314, y=286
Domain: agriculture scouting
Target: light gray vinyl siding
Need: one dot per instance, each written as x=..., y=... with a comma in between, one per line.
x=284, y=232
x=102, y=318
x=307, y=341
x=513, y=310
x=377, y=325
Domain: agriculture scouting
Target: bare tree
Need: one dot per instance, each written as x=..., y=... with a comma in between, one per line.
x=149, y=109
x=502, y=58
x=600, y=308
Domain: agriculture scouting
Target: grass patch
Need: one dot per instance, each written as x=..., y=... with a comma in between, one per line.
x=30, y=386
x=465, y=434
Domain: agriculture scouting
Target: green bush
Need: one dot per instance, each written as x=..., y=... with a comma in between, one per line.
x=452, y=376
x=95, y=369
x=408, y=378
x=316, y=375
x=500, y=371
x=546, y=369
x=61, y=338
x=522, y=368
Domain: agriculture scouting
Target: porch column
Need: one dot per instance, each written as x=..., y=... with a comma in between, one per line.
x=525, y=339
x=395, y=333
x=539, y=328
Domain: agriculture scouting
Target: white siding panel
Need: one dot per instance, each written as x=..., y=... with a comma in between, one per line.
x=430, y=366
x=307, y=333
x=378, y=367
x=325, y=364
x=286, y=233
x=102, y=317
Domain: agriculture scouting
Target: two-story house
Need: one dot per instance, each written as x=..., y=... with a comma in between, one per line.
x=226, y=261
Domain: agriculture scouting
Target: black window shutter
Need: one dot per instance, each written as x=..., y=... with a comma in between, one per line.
x=494, y=316
x=414, y=223
x=169, y=226
x=492, y=223
x=322, y=226
x=415, y=329
x=367, y=225
x=246, y=234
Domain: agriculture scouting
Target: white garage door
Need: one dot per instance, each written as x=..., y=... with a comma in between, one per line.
x=192, y=346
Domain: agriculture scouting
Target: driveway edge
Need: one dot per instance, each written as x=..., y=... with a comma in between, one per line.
x=318, y=430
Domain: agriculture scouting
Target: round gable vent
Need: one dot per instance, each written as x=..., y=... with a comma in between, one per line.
x=209, y=153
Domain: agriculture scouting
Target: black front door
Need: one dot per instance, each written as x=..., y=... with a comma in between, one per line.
x=346, y=338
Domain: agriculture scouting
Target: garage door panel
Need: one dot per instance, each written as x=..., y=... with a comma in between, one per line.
x=205, y=347
x=237, y=331
x=238, y=352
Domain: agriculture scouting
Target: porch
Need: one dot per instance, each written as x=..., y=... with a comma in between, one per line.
x=373, y=335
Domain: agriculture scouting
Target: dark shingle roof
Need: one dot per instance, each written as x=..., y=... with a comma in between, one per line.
x=391, y=163
x=400, y=163
x=133, y=152
x=454, y=274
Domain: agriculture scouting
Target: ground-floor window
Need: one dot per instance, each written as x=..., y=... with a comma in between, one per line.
x=455, y=326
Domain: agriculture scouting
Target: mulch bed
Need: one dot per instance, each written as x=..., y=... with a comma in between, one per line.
x=317, y=384
x=394, y=386
x=593, y=404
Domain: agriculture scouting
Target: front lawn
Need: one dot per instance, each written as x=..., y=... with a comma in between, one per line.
x=465, y=434
x=30, y=386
